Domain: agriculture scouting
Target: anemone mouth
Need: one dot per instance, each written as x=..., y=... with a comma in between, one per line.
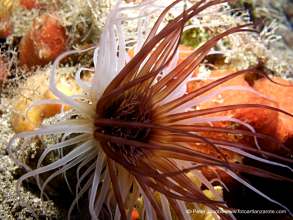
x=129, y=107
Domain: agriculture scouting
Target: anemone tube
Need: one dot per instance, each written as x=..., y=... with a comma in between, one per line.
x=135, y=127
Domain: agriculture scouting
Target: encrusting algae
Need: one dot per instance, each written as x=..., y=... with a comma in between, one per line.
x=140, y=135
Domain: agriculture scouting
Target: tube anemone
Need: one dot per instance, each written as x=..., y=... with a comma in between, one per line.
x=138, y=135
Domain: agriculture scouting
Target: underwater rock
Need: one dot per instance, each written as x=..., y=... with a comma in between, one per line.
x=288, y=37
x=43, y=43
x=288, y=9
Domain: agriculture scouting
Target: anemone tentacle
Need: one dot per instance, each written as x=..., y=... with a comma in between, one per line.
x=137, y=135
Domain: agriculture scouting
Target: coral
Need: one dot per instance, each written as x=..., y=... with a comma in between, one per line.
x=5, y=22
x=29, y=4
x=264, y=121
x=26, y=117
x=281, y=95
x=43, y=43
x=5, y=28
x=80, y=19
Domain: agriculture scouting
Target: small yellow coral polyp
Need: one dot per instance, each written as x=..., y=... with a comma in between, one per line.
x=211, y=195
x=20, y=122
x=23, y=120
x=68, y=88
x=202, y=212
x=5, y=8
x=5, y=21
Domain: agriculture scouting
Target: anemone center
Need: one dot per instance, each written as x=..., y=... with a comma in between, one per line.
x=126, y=108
